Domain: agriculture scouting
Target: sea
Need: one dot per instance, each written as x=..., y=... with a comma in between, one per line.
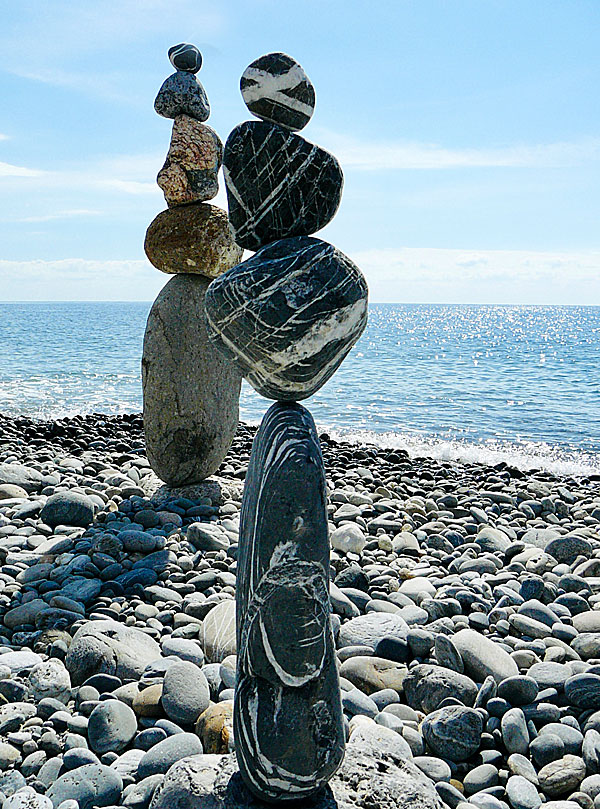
x=476, y=383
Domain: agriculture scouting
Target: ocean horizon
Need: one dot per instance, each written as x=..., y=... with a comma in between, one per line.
x=473, y=382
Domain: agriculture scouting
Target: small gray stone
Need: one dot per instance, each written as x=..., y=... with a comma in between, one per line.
x=514, y=731
x=50, y=679
x=369, y=629
x=185, y=693
x=562, y=776
x=522, y=794
x=111, y=648
x=426, y=686
x=164, y=754
x=454, y=732
x=112, y=725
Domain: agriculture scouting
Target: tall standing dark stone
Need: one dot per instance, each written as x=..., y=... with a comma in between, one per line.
x=287, y=718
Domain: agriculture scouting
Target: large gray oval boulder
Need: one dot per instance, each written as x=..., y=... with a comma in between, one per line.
x=111, y=648
x=91, y=785
x=482, y=657
x=68, y=508
x=16, y=474
x=426, y=686
x=454, y=732
x=369, y=629
x=191, y=391
x=362, y=782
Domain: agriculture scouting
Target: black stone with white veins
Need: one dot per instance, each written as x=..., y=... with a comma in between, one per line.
x=289, y=315
x=182, y=94
x=185, y=57
x=278, y=184
x=287, y=715
x=275, y=88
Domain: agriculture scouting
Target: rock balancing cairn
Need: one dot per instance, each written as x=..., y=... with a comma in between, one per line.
x=191, y=392
x=286, y=318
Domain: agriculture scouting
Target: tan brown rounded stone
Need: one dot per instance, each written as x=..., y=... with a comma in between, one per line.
x=193, y=160
x=191, y=391
x=192, y=239
x=215, y=728
x=372, y=674
x=147, y=702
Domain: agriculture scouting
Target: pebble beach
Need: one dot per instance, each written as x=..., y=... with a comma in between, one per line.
x=466, y=616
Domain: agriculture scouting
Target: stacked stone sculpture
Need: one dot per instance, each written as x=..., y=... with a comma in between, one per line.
x=286, y=318
x=191, y=392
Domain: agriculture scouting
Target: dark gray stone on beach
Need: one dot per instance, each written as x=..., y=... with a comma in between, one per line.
x=191, y=392
x=587, y=645
x=275, y=88
x=426, y=686
x=514, y=731
x=182, y=94
x=91, y=785
x=287, y=715
x=68, y=508
x=582, y=690
x=518, y=690
x=278, y=184
x=288, y=316
x=111, y=726
x=164, y=754
x=454, y=732
x=185, y=693
x=109, y=647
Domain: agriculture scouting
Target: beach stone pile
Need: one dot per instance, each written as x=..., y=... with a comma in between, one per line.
x=286, y=317
x=191, y=394
x=466, y=626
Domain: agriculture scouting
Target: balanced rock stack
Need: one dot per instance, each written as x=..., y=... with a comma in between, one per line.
x=286, y=318
x=191, y=393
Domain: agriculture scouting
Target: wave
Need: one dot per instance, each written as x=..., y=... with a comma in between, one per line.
x=522, y=455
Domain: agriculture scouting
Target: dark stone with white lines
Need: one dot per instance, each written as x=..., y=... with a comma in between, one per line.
x=288, y=723
x=185, y=57
x=275, y=88
x=278, y=184
x=182, y=94
x=288, y=315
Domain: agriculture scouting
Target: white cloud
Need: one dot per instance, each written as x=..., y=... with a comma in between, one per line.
x=8, y=170
x=86, y=28
x=429, y=275
x=407, y=274
x=49, y=217
x=393, y=155
x=4, y=137
x=129, y=186
x=78, y=279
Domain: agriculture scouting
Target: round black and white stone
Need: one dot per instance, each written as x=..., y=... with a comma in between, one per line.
x=185, y=57
x=278, y=184
x=276, y=88
x=288, y=315
x=288, y=721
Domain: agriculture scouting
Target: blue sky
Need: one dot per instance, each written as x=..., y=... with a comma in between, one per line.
x=468, y=130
